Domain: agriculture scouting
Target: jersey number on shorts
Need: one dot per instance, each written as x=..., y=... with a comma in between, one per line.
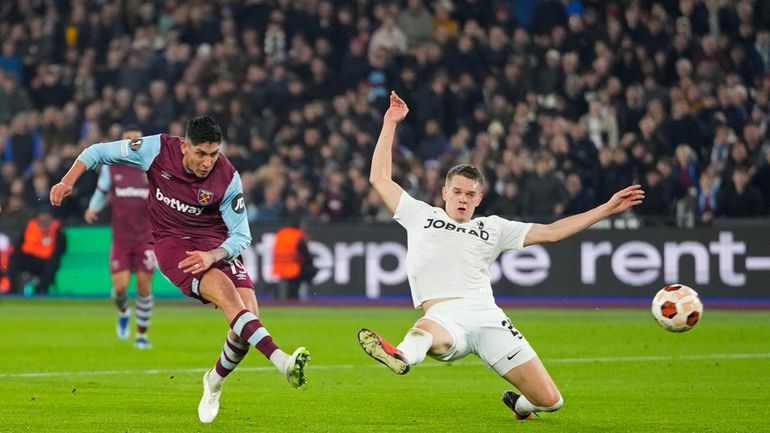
x=507, y=324
x=236, y=267
x=149, y=259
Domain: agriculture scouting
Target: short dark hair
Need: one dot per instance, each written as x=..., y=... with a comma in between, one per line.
x=203, y=129
x=465, y=170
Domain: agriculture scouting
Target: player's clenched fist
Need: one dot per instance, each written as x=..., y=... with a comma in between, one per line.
x=59, y=192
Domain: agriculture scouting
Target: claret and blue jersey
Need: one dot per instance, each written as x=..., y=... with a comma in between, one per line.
x=180, y=204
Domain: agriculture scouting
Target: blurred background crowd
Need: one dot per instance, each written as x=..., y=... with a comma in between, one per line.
x=561, y=102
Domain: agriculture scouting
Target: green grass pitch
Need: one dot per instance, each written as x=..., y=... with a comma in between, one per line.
x=63, y=370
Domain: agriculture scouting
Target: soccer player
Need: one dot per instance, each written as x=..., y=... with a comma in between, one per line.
x=199, y=224
x=131, y=249
x=447, y=265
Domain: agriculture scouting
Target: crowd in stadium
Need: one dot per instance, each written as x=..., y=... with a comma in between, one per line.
x=560, y=103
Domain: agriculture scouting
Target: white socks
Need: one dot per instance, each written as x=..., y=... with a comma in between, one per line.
x=215, y=380
x=523, y=406
x=279, y=359
x=416, y=345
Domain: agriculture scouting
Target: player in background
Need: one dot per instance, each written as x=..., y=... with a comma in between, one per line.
x=131, y=251
x=447, y=264
x=200, y=228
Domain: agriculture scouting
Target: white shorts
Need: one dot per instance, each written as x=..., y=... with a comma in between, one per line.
x=482, y=328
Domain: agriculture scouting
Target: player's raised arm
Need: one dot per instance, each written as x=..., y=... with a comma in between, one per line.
x=566, y=227
x=382, y=160
x=139, y=152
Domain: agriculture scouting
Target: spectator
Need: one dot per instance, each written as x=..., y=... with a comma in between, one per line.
x=271, y=207
x=269, y=72
x=415, y=20
x=10, y=62
x=706, y=205
x=24, y=144
x=761, y=180
x=388, y=37
x=600, y=125
x=13, y=98
x=508, y=204
x=37, y=253
x=686, y=167
x=683, y=128
x=614, y=169
x=657, y=203
x=543, y=194
x=760, y=52
x=292, y=262
x=433, y=143
x=739, y=158
x=740, y=199
x=579, y=198
x=547, y=15
x=720, y=147
x=444, y=25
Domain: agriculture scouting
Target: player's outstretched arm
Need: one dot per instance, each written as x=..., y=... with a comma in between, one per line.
x=382, y=160
x=566, y=227
x=63, y=189
x=139, y=152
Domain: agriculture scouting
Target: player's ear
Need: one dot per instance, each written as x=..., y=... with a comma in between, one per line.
x=443, y=192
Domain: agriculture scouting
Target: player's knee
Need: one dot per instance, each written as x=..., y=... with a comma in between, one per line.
x=143, y=289
x=556, y=403
x=440, y=348
x=215, y=287
x=441, y=340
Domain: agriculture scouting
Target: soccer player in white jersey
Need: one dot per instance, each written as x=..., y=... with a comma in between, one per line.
x=447, y=264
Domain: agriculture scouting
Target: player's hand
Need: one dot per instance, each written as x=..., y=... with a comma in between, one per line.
x=196, y=262
x=59, y=192
x=397, y=110
x=625, y=198
x=91, y=216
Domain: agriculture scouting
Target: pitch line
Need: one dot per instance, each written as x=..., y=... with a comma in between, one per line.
x=601, y=359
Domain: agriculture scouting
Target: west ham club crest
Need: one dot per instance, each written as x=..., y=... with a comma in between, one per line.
x=205, y=197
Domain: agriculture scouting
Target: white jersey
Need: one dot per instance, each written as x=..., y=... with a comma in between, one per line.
x=448, y=259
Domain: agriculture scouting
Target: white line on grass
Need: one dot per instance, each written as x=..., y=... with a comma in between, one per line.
x=650, y=358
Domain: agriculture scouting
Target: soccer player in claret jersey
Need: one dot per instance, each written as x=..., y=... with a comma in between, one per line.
x=127, y=188
x=199, y=224
x=447, y=265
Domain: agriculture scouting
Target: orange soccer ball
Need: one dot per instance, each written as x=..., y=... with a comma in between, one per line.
x=677, y=308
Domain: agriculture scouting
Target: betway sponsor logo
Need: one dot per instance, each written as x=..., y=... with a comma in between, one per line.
x=176, y=204
x=131, y=192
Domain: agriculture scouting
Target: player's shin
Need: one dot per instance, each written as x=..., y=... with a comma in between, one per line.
x=120, y=299
x=232, y=354
x=416, y=344
x=247, y=326
x=144, y=306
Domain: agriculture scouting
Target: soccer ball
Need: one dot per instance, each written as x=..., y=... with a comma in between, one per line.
x=677, y=308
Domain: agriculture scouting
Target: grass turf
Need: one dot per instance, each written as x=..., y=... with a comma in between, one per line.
x=63, y=370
